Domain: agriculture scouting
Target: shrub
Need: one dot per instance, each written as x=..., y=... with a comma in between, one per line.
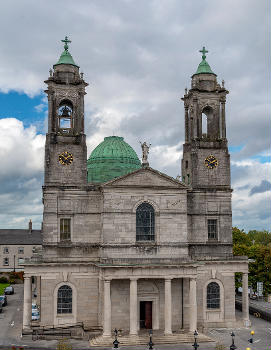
x=220, y=346
x=64, y=345
x=3, y=280
x=11, y=281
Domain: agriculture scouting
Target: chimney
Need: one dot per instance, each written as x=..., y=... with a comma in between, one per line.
x=30, y=226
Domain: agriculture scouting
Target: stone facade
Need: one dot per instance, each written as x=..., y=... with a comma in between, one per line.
x=113, y=276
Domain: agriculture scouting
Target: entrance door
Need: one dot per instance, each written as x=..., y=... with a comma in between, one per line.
x=146, y=314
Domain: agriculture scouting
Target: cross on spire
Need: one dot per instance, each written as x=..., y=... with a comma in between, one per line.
x=204, y=51
x=66, y=41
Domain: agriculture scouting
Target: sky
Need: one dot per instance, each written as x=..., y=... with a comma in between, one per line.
x=138, y=57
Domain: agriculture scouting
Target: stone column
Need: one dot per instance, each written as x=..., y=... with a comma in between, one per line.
x=107, y=309
x=245, y=301
x=223, y=121
x=168, y=303
x=27, y=315
x=133, y=306
x=187, y=137
x=193, y=304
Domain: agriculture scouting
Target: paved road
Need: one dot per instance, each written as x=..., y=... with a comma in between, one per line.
x=11, y=324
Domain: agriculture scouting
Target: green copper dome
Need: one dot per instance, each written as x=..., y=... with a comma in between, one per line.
x=204, y=65
x=110, y=159
x=66, y=57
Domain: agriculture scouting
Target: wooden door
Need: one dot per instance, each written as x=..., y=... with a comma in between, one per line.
x=148, y=314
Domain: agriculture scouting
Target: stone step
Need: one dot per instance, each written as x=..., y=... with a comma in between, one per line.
x=101, y=341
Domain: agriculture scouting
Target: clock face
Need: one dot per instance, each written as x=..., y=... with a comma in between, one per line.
x=65, y=158
x=211, y=162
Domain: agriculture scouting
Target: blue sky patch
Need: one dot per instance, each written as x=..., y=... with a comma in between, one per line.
x=21, y=106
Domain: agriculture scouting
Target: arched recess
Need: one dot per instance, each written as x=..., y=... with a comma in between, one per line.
x=65, y=116
x=65, y=318
x=209, y=125
x=214, y=315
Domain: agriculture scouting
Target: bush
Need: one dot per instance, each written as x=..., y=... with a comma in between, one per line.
x=11, y=281
x=220, y=346
x=3, y=280
x=64, y=345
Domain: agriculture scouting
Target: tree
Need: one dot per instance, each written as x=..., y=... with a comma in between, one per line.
x=256, y=245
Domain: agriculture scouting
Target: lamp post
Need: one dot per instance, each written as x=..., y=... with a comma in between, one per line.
x=233, y=346
x=195, y=345
x=251, y=339
x=116, y=342
x=150, y=342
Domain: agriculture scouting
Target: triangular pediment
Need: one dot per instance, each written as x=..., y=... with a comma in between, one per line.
x=145, y=177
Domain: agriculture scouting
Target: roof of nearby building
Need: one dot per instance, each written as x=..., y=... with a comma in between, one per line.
x=19, y=236
x=110, y=159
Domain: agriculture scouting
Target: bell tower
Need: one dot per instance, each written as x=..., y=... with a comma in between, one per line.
x=65, y=149
x=206, y=164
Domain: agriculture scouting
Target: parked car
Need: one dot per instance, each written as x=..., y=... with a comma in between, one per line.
x=9, y=290
x=34, y=307
x=35, y=315
x=3, y=300
x=1, y=309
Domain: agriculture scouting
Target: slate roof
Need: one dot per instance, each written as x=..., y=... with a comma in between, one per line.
x=19, y=236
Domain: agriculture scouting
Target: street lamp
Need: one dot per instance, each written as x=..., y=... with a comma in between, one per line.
x=195, y=345
x=233, y=346
x=116, y=342
x=150, y=342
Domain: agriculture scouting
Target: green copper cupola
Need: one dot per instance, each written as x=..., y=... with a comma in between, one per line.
x=204, y=67
x=110, y=159
x=66, y=57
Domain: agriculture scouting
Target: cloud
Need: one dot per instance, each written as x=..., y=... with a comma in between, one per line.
x=263, y=187
x=138, y=57
x=21, y=174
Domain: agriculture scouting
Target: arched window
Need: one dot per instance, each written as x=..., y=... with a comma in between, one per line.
x=213, y=296
x=64, y=300
x=145, y=222
x=65, y=122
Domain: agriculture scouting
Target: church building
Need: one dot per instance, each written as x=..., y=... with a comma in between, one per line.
x=124, y=245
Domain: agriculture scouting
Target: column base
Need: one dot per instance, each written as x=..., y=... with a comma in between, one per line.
x=168, y=332
x=247, y=323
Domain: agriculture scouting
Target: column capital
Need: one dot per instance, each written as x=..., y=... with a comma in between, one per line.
x=168, y=278
x=27, y=276
x=107, y=280
x=133, y=278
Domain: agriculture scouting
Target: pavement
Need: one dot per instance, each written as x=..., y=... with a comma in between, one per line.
x=11, y=325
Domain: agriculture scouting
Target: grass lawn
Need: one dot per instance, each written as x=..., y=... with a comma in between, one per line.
x=2, y=287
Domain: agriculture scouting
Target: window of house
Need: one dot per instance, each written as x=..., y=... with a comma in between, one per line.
x=21, y=250
x=65, y=229
x=145, y=222
x=6, y=251
x=64, y=300
x=20, y=261
x=6, y=261
x=212, y=229
x=213, y=296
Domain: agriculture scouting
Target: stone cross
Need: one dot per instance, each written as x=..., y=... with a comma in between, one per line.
x=203, y=51
x=66, y=41
x=145, y=151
